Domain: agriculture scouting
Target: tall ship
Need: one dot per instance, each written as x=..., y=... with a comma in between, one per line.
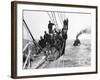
x=49, y=48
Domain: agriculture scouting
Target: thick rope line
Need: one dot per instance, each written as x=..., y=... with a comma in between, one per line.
x=36, y=44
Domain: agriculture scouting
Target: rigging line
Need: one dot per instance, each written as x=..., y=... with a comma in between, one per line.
x=64, y=15
x=49, y=16
x=53, y=16
x=55, y=19
x=29, y=30
x=60, y=19
x=60, y=14
x=31, y=35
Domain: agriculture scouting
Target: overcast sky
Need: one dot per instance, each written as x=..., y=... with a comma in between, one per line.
x=37, y=22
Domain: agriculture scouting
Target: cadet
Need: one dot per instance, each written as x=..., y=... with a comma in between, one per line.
x=50, y=25
x=65, y=28
x=47, y=37
x=66, y=23
x=42, y=42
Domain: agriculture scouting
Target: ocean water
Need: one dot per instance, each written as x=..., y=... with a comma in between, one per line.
x=79, y=56
x=74, y=56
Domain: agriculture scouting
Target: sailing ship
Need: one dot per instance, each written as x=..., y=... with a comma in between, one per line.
x=35, y=56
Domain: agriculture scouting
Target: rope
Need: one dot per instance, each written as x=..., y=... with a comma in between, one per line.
x=36, y=44
x=55, y=19
x=61, y=22
x=61, y=17
x=28, y=56
x=50, y=17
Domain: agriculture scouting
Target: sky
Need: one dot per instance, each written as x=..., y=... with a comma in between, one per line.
x=37, y=22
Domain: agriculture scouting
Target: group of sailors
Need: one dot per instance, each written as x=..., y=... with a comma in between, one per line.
x=54, y=37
